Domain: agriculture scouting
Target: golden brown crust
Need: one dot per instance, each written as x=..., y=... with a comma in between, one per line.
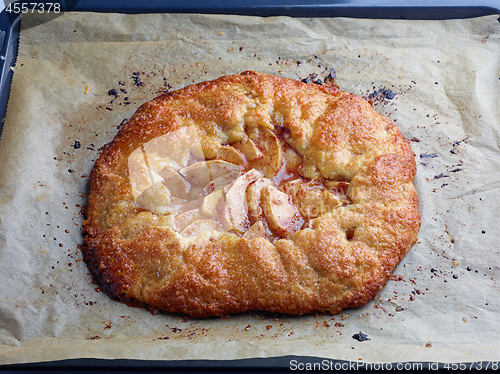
x=355, y=160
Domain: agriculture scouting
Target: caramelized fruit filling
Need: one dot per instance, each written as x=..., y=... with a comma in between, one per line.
x=254, y=187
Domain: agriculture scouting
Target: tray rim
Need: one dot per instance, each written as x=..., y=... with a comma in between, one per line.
x=392, y=9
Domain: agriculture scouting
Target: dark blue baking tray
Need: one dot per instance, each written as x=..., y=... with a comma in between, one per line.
x=381, y=9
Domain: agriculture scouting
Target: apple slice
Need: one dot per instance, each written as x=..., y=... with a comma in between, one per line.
x=272, y=160
x=312, y=200
x=155, y=198
x=249, y=149
x=184, y=219
x=317, y=202
x=236, y=198
x=214, y=206
x=257, y=230
x=292, y=187
x=139, y=172
x=221, y=181
x=281, y=215
x=199, y=227
x=175, y=182
x=203, y=172
x=254, y=192
x=230, y=154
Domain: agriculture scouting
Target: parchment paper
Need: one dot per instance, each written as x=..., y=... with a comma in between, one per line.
x=437, y=80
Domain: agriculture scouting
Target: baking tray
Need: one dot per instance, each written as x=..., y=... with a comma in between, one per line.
x=391, y=9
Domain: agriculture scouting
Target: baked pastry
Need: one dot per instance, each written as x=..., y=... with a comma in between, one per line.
x=251, y=192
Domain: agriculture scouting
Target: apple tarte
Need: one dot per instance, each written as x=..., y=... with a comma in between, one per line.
x=251, y=192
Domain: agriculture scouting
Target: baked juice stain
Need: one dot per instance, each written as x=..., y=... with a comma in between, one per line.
x=136, y=79
x=113, y=92
x=327, y=77
x=360, y=337
x=382, y=94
